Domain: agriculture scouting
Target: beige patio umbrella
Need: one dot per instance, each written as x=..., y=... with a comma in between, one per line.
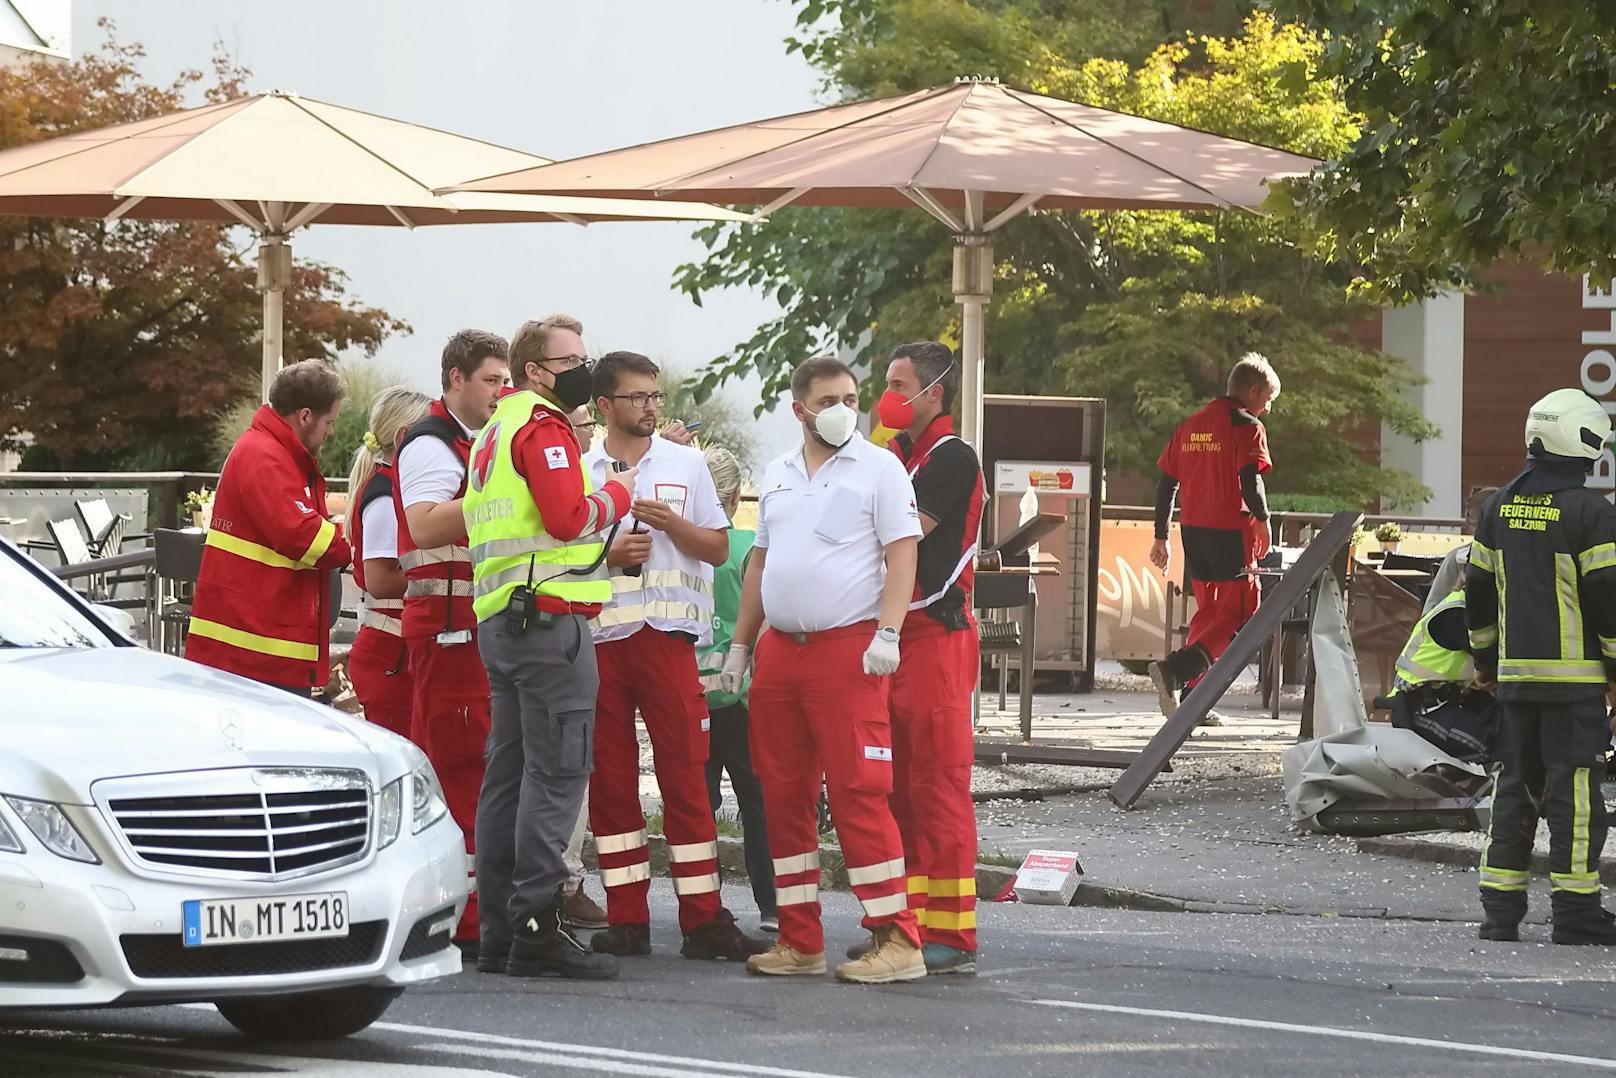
x=974, y=155
x=277, y=162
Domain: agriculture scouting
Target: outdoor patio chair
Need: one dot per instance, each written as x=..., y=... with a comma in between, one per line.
x=178, y=563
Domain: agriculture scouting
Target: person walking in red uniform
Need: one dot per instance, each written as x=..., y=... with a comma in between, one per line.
x=645, y=644
x=449, y=716
x=930, y=700
x=378, y=663
x=832, y=571
x=1215, y=463
x=262, y=596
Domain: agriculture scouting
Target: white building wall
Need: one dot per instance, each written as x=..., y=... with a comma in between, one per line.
x=1429, y=336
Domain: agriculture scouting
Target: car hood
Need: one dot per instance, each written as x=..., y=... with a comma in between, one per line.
x=70, y=717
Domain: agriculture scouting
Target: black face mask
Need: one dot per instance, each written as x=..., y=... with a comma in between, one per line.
x=574, y=387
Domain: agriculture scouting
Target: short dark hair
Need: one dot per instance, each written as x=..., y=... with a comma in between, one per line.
x=532, y=338
x=313, y=384
x=466, y=351
x=933, y=362
x=810, y=371
x=610, y=368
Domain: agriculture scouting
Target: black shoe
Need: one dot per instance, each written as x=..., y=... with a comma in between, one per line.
x=1500, y=931
x=1503, y=915
x=1587, y=925
x=722, y=938
x=492, y=957
x=544, y=948
x=623, y=940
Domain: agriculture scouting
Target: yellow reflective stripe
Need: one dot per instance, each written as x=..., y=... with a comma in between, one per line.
x=1581, y=883
x=1581, y=672
x=695, y=885
x=799, y=895
x=1579, y=822
x=919, y=885
x=1481, y=557
x=1598, y=557
x=877, y=873
x=798, y=862
x=628, y=840
x=622, y=877
x=322, y=543
x=1484, y=637
x=264, y=645
x=886, y=906
x=246, y=548
x=692, y=851
x=1503, y=585
x=920, y=916
x=1565, y=589
x=1607, y=646
x=961, y=888
x=950, y=920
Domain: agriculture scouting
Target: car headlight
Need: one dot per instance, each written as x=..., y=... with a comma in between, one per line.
x=427, y=801
x=9, y=842
x=53, y=829
x=389, y=814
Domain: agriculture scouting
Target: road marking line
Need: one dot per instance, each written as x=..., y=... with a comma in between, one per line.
x=1332, y=1031
x=707, y=1066
x=575, y=1062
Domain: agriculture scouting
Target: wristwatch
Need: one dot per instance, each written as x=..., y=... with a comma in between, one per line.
x=887, y=633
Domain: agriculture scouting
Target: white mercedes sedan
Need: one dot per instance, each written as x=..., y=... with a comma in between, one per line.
x=170, y=833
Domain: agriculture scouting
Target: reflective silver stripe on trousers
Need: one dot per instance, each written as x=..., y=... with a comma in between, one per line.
x=801, y=862
x=417, y=588
x=880, y=873
x=885, y=906
x=704, y=884
x=638, y=872
x=692, y=851
x=800, y=895
x=437, y=555
x=628, y=840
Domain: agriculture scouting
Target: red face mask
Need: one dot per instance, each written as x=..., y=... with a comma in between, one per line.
x=897, y=412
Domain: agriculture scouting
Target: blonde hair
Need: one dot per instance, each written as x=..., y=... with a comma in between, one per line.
x=726, y=474
x=1253, y=370
x=527, y=346
x=393, y=412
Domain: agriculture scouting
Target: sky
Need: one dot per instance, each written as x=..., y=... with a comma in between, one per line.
x=558, y=78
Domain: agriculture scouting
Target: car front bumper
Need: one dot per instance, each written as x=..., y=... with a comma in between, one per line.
x=79, y=935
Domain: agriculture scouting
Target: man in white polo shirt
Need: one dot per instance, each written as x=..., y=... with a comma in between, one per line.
x=832, y=571
x=645, y=644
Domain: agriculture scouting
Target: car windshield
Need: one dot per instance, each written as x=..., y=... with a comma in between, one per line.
x=35, y=615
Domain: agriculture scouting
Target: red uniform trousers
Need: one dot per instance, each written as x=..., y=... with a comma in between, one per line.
x=1221, y=608
x=932, y=752
x=654, y=672
x=379, y=667
x=815, y=711
x=449, y=720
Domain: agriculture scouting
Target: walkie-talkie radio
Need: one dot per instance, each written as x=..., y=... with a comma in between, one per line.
x=628, y=570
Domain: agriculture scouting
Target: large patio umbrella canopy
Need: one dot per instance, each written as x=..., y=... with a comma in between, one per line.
x=277, y=162
x=974, y=155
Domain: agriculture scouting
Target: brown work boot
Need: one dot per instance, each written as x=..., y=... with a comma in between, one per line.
x=578, y=910
x=895, y=958
x=1166, y=687
x=623, y=940
x=783, y=961
x=722, y=938
x=862, y=948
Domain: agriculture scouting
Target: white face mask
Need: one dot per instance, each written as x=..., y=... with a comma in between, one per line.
x=835, y=424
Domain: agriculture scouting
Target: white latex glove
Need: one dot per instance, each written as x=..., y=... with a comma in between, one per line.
x=881, y=657
x=734, y=672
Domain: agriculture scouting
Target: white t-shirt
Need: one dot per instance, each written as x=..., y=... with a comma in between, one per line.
x=674, y=591
x=379, y=530
x=826, y=536
x=429, y=471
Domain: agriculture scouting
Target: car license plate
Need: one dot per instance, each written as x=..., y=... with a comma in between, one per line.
x=258, y=920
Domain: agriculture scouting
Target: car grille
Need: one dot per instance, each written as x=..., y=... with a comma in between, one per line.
x=154, y=956
x=423, y=941
x=282, y=823
x=25, y=960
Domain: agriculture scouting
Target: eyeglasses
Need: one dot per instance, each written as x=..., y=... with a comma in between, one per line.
x=569, y=362
x=640, y=400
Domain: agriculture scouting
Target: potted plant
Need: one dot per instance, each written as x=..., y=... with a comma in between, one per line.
x=1389, y=534
x=199, y=507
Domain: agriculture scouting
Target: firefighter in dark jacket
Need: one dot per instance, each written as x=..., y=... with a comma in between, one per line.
x=1540, y=601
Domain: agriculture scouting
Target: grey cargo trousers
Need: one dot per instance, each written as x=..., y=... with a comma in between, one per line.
x=540, y=752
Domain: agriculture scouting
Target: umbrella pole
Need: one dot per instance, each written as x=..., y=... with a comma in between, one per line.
x=973, y=284
x=274, y=266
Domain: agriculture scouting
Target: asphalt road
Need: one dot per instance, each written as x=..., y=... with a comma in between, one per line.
x=1062, y=991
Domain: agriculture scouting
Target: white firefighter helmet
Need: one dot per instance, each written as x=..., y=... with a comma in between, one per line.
x=1567, y=423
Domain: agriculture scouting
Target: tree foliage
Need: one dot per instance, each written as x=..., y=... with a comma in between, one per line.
x=120, y=341
x=1148, y=309
x=365, y=380
x=1487, y=133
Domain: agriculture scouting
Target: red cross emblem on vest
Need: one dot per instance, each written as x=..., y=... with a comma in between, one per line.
x=483, y=462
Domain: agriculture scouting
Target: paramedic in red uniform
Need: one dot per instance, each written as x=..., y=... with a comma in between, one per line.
x=833, y=573
x=449, y=717
x=930, y=701
x=378, y=664
x=1215, y=462
x=261, y=607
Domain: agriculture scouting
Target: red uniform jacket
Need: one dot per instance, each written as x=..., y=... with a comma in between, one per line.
x=262, y=596
x=1206, y=454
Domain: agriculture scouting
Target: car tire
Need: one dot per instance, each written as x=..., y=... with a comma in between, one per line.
x=308, y=1016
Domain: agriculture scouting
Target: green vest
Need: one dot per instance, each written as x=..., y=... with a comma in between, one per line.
x=1424, y=660
x=727, y=580
x=505, y=531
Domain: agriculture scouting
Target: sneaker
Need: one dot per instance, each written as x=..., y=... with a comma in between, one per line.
x=770, y=923
x=941, y=958
x=492, y=957
x=623, y=940
x=544, y=947
x=892, y=959
x=721, y=938
x=862, y=948
x=578, y=910
x=783, y=961
x=1166, y=688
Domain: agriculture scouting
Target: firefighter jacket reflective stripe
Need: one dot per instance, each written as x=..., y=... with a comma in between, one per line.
x=1425, y=660
x=509, y=543
x=432, y=605
x=1540, y=598
x=261, y=607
